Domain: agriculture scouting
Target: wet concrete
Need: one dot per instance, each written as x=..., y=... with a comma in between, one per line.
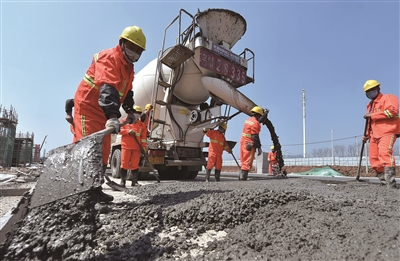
x=260, y=219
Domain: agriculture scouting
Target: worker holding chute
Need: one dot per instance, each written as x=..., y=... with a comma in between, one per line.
x=250, y=141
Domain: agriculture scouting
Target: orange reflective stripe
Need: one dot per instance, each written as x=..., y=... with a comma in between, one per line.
x=246, y=135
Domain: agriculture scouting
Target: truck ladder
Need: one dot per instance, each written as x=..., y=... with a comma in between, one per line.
x=173, y=58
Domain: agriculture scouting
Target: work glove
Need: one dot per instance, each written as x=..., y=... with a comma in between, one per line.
x=70, y=119
x=205, y=130
x=259, y=151
x=131, y=118
x=114, y=123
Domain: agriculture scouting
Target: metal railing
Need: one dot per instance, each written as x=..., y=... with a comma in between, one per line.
x=320, y=161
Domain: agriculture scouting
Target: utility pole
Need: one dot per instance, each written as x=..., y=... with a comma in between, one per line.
x=332, y=145
x=304, y=122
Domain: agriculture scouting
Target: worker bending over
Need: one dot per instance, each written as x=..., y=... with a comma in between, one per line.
x=217, y=146
x=133, y=137
x=106, y=86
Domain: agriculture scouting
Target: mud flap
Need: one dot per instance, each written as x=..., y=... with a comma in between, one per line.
x=70, y=170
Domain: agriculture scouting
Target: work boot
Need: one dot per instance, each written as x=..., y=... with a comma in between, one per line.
x=104, y=169
x=123, y=173
x=390, y=175
x=135, y=177
x=381, y=177
x=217, y=175
x=243, y=174
x=208, y=173
x=101, y=196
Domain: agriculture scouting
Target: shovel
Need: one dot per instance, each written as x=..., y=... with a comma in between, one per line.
x=231, y=145
x=72, y=169
x=155, y=171
x=362, y=152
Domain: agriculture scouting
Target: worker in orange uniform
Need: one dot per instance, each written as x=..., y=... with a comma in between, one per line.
x=383, y=128
x=131, y=148
x=147, y=111
x=272, y=162
x=69, y=104
x=217, y=146
x=106, y=86
x=250, y=141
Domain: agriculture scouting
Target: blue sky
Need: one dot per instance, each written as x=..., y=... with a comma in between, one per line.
x=327, y=48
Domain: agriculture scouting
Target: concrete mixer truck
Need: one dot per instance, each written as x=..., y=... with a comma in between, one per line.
x=192, y=85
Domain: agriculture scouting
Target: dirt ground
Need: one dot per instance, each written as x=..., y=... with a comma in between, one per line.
x=349, y=171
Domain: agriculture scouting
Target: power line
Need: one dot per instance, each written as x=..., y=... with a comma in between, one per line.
x=317, y=142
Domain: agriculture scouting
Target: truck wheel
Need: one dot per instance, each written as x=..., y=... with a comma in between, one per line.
x=116, y=164
x=144, y=175
x=193, y=174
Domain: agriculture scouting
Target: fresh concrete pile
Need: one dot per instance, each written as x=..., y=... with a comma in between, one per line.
x=279, y=219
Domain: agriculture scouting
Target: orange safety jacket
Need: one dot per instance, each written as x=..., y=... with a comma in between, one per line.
x=138, y=131
x=272, y=157
x=107, y=67
x=384, y=116
x=251, y=127
x=217, y=143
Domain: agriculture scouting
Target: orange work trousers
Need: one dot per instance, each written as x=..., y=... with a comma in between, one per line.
x=130, y=159
x=214, y=160
x=246, y=157
x=381, y=152
x=84, y=126
x=271, y=163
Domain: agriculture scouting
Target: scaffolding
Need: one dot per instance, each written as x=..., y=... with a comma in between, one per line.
x=23, y=148
x=8, y=126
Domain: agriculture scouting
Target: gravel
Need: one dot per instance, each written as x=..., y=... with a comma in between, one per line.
x=259, y=219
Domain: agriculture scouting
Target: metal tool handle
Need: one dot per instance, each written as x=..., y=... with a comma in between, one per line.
x=237, y=163
x=362, y=150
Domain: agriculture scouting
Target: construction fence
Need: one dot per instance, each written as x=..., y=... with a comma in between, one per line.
x=261, y=162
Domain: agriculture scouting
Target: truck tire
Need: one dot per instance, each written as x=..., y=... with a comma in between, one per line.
x=193, y=174
x=144, y=175
x=116, y=163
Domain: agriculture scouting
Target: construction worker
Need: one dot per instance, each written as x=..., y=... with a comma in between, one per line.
x=69, y=104
x=250, y=141
x=272, y=162
x=147, y=110
x=383, y=128
x=106, y=86
x=217, y=146
x=133, y=137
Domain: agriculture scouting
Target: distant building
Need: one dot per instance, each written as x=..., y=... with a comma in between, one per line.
x=15, y=150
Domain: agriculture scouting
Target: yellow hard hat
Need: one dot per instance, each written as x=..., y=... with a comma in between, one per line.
x=224, y=126
x=135, y=35
x=147, y=107
x=137, y=108
x=272, y=147
x=371, y=84
x=257, y=109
